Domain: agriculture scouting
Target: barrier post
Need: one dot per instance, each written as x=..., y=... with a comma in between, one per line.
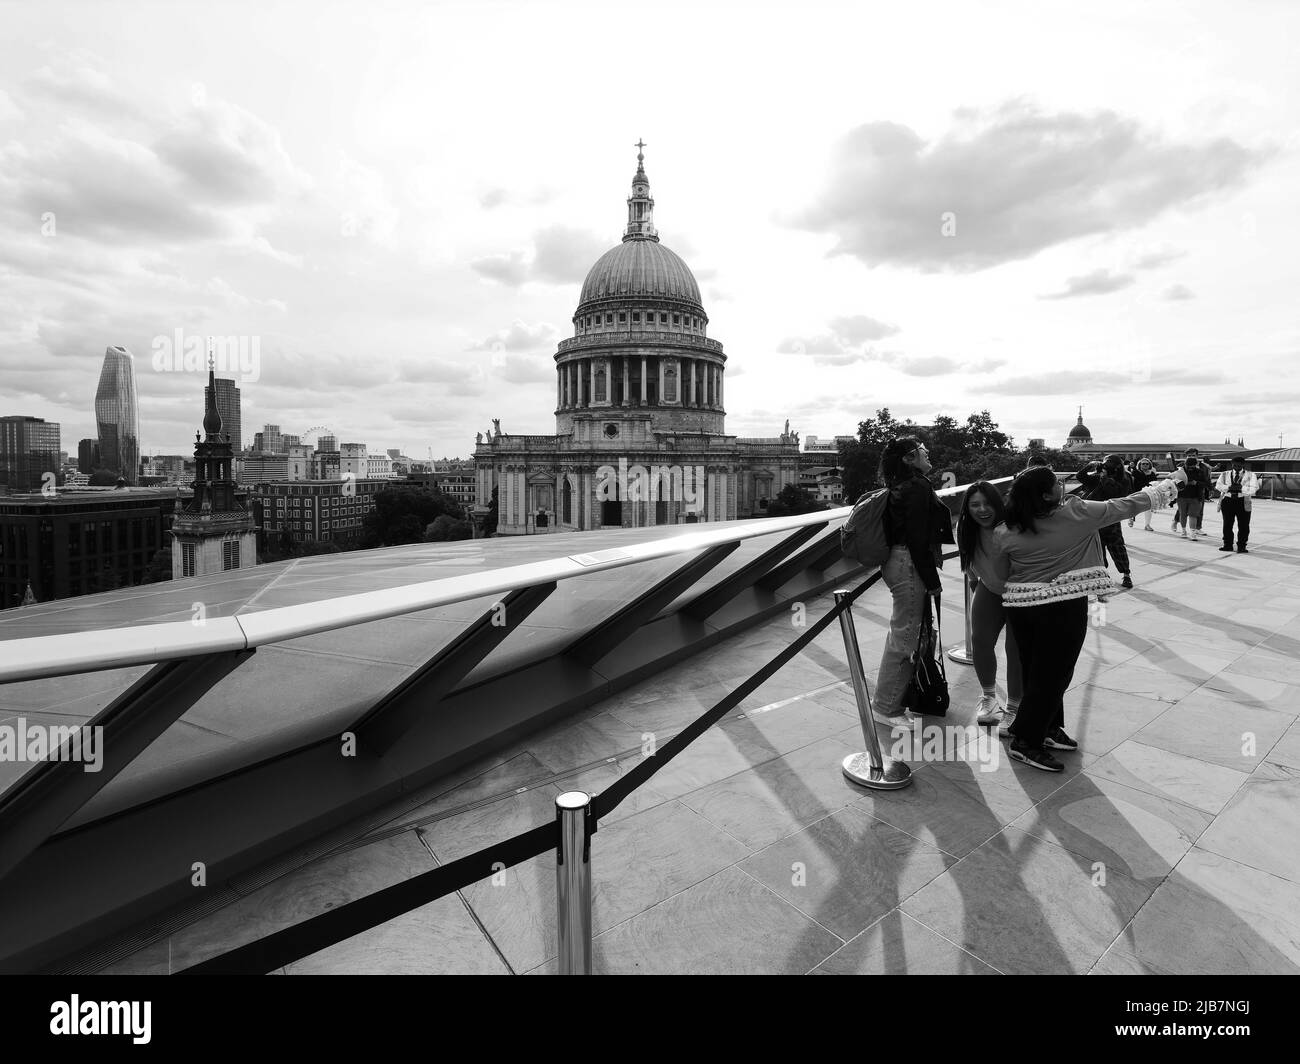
x=573, y=883
x=962, y=652
x=871, y=768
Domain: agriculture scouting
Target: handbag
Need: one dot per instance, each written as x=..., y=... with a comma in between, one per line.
x=927, y=691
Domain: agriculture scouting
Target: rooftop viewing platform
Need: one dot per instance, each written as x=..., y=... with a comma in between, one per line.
x=1167, y=845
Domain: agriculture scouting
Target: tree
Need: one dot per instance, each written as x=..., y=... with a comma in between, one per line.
x=401, y=515
x=791, y=501
x=445, y=528
x=160, y=566
x=103, y=477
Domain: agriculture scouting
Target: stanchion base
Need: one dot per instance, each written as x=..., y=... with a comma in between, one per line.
x=959, y=655
x=893, y=774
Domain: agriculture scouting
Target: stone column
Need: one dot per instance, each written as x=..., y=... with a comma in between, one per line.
x=625, y=382
x=694, y=401
x=591, y=381
x=661, y=380
x=720, y=388
x=643, y=376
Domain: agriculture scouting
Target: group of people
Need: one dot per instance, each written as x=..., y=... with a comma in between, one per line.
x=1034, y=558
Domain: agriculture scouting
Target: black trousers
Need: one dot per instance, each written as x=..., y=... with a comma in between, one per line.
x=1235, y=509
x=1112, y=538
x=1049, y=638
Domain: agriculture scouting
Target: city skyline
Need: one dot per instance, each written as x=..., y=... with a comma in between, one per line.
x=1115, y=195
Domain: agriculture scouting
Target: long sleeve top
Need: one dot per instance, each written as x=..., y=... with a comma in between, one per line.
x=1247, y=480
x=1198, y=482
x=983, y=562
x=1062, y=558
x=920, y=522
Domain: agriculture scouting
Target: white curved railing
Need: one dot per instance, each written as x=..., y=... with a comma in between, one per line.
x=39, y=657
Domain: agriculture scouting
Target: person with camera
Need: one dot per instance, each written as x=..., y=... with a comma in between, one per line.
x=1108, y=480
x=1051, y=560
x=1236, y=486
x=917, y=526
x=1143, y=473
x=1192, y=495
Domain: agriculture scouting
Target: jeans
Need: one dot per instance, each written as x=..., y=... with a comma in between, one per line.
x=1050, y=638
x=987, y=619
x=1235, y=509
x=1190, y=508
x=899, y=575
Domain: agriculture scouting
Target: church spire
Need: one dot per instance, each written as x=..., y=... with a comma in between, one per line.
x=211, y=416
x=640, y=207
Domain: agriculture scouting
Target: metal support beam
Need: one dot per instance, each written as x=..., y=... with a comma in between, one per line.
x=828, y=547
x=34, y=808
x=390, y=718
x=594, y=645
x=709, y=602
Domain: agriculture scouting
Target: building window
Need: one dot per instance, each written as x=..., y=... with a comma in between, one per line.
x=230, y=554
x=187, y=559
x=609, y=319
x=663, y=319
x=622, y=315
x=636, y=316
x=677, y=319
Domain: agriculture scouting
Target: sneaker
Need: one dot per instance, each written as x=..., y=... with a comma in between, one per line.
x=988, y=711
x=1130, y=522
x=903, y=719
x=1184, y=533
x=1242, y=550
x=1058, y=740
x=1147, y=528
x=1225, y=548
x=1008, y=719
x=1038, y=758
x=1127, y=581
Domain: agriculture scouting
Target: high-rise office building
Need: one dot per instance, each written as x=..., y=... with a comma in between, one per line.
x=118, y=416
x=88, y=456
x=228, y=408
x=29, y=448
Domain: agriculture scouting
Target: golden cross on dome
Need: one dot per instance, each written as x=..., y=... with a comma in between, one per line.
x=639, y=145
x=209, y=352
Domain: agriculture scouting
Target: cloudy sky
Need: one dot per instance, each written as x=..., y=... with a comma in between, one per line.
x=937, y=208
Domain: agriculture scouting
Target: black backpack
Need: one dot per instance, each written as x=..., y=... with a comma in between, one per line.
x=863, y=537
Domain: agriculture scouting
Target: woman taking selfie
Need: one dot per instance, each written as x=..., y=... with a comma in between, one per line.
x=917, y=526
x=1051, y=559
x=982, y=511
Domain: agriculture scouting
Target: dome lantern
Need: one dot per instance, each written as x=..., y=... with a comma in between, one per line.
x=640, y=205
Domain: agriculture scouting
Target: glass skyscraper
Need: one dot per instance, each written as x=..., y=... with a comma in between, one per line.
x=118, y=416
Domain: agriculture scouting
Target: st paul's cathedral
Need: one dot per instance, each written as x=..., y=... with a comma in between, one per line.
x=639, y=409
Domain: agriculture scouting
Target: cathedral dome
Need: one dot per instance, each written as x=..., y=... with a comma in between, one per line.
x=640, y=267
x=1080, y=432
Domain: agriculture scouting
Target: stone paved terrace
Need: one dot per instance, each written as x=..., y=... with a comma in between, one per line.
x=965, y=871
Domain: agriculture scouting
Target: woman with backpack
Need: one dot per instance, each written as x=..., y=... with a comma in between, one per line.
x=982, y=511
x=917, y=525
x=1143, y=474
x=1051, y=559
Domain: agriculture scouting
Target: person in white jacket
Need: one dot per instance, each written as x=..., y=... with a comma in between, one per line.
x=1235, y=487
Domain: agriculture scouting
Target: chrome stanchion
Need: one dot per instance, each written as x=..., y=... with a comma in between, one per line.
x=868, y=769
x=962, y=652
x=573, y=883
